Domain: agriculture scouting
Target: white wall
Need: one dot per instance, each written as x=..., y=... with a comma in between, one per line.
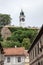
x=14, y=60
x=27, y=59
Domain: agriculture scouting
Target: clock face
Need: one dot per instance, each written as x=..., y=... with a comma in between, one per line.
x=23, y=19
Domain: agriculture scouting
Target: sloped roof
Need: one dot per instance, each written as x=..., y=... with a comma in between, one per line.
x=19, y=51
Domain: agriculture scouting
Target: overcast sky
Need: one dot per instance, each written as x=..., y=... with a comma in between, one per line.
x=33, y=10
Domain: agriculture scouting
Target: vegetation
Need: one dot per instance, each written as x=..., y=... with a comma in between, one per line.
x=21, y=37
x=5, y=19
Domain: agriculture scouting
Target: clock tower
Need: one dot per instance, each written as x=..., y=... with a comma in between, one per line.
x=22, y=18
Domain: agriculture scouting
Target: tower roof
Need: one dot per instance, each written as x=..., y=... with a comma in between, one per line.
x=22, y=13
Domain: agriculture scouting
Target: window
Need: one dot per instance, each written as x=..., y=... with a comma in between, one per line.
x=41, y=62
x=19, y=59
x=38, y=48
x=38, y=63
x=8, y=59
x=33, y=54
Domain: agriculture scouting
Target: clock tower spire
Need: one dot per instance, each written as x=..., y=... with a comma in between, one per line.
x=22, y=18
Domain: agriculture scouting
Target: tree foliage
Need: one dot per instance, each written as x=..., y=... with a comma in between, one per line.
x=26, y=43
x=1, y=39
x=5, y=19
x=10, y=43
x=21, y=37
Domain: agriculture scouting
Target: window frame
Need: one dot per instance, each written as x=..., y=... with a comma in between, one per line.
x=19, y=59
x=8, y=59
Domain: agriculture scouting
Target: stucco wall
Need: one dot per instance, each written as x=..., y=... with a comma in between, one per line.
x=14, y=60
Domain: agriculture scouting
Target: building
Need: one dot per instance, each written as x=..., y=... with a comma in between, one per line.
x=14, y=56
x=36, y=49
x=5, y=32
x=22, y=19
x=27, y=58
x=1, y=55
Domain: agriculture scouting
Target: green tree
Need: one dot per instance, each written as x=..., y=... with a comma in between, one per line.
x=20, y=37
x=26, y=43
x=10, y=43
x=1, y=39
x=5, y=19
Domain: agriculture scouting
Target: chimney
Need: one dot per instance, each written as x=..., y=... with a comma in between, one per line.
x=15, y=46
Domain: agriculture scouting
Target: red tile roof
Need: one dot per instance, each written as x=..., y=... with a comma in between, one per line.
x=15, y=51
